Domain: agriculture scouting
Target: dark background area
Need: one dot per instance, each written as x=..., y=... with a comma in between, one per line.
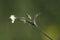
x=48, y=20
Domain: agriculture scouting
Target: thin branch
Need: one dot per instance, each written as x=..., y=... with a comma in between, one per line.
x=41, y=31
x=30, y=22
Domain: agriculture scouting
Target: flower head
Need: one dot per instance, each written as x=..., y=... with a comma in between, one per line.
x=12, y=17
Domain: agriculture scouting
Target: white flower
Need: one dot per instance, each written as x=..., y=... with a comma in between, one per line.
x=12, y=17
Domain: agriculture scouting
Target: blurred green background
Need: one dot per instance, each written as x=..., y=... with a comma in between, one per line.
x=49, y=19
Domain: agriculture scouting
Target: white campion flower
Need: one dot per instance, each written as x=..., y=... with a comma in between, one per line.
x=12, y=17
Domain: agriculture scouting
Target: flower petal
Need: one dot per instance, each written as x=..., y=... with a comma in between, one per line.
x=12, y=17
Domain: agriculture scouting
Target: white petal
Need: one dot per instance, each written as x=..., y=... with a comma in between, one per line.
x=12, y=17
x=12, y=21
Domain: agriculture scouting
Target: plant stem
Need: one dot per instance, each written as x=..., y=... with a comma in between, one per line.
x=41, y=31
